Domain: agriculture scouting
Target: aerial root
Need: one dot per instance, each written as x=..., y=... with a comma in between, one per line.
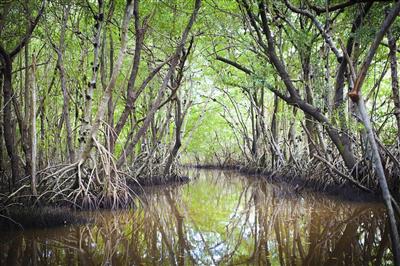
x=90, y=185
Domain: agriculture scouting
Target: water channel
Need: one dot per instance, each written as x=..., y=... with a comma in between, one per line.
x=219, y=218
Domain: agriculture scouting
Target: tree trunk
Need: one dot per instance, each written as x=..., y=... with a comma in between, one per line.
x=395, y=80
x=85, y=152
x=292, y=135
x=310, y=123
x=131, y=94
x=42, y=152
x=6, y=58
x=356, y=96
x=65, y=109
x=274, y=132
x=339, y=104
x=110, y=106
x=254, y=138
x=178, y=126
x=9, y=137
x=381, y=178
x=32, y=119
x=87, y=112
x=25, y=125
x=2, y=168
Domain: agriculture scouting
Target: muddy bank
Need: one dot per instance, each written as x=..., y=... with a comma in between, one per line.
x=22, y=218
x=212, y=166
x=28, y=217
x=300, y=183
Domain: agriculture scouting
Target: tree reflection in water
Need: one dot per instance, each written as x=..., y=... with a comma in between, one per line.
x=219, y=218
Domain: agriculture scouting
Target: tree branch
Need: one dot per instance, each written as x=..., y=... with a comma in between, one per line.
x=390, y=18
x=319, y=10
x=235, y=64
x=320, y=27
x=28, y=34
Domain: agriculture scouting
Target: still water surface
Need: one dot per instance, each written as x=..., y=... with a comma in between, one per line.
x=220, y=218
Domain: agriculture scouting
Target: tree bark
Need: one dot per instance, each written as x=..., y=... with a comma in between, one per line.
x=310, y=123
x=381, y=178
x=131, y=95
x=2, y=168
x=178, y=126
x=32, y=120
x=395, y=80
x=110, y=106
x=87, y=111
x=106, y=96
x=9, y=137
x=25, y=124
x=274, y=131
x=254, y=136
x=60, y=65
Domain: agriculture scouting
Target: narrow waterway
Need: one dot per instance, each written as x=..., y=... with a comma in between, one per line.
x=219, y=218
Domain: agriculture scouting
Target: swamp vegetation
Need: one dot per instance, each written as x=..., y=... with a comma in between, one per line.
x=102, y=97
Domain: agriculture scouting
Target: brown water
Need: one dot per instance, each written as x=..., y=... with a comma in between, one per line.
x=219, y=218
